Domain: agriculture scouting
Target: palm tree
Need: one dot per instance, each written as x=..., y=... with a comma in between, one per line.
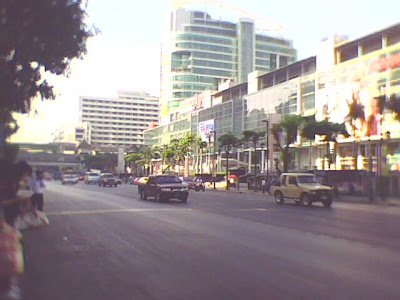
x=132, y=160
x=394, y=106
x=289, y=125
x=199, y=145
x=147, y=155
x=253, y=136
x=228, y=141
x=324, y=128
x=308, y=131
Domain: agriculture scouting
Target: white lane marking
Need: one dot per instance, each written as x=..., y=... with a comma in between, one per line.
x=252, y=209
x=107, y=211
x=126, y=243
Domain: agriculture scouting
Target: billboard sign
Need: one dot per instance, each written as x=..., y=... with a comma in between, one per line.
x=359, y=94
x=206, y=129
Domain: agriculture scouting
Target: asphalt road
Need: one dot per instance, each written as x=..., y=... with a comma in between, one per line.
x=105, y=243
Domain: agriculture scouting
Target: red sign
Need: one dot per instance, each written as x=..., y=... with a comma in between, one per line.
x=385, y=63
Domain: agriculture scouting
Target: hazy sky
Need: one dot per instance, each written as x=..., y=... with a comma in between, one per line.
x=126, y=55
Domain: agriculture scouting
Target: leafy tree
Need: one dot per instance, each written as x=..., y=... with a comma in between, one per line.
x=394, y=106
x=36, y=37
x=147, y=154
x=133, y=159
x=253, y=136
x=289, y=126
x=104, y=161
x=310, y=128
x=228, y=140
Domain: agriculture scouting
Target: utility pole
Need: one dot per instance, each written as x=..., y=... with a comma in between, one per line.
x=227, y=167
x=267, y=132
x=213, y=155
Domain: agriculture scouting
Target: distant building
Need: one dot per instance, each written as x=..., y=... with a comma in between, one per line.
x=354, y=82
x=83, y=133
x=202, y=53
x=117, y=122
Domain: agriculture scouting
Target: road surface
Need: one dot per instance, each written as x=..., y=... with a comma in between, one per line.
x=105, y=243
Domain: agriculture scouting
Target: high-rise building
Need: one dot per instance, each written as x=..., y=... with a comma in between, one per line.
x=119, y=122
x=201, y=52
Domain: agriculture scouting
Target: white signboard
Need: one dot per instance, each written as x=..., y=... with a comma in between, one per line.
x=206, y=130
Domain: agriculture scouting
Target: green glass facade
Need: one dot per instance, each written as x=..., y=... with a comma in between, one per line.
x=202, y=52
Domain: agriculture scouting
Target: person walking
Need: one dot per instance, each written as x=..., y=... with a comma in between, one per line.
x=38, y=188
x=263, y=185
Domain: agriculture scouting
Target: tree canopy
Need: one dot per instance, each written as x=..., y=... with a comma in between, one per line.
x=228, y=140
x=36, y=37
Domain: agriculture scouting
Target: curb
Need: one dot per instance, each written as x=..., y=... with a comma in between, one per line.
x=389, y=203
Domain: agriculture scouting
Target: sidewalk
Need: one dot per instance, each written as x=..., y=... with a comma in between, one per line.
x=390, y=201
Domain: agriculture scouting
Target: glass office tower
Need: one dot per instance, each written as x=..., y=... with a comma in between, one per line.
x=202, y=52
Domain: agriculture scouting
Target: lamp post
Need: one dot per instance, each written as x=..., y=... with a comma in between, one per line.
x=213, y=154
x=267, y=133
x=227, y=167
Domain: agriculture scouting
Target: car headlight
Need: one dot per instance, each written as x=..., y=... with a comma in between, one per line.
x=165, y=189
x=313, y=192
x=184, y=189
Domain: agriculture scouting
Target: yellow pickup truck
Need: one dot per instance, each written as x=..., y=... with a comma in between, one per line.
x=302, y=188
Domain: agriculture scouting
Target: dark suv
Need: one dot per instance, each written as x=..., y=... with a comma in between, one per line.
x=163, y=188
x=107, y=179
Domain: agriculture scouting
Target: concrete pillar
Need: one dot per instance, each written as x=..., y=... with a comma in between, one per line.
x=249, y=160
x=262, y=161
x=338, y=60
x=360, y=50
x=384, y=42
x=186, y=171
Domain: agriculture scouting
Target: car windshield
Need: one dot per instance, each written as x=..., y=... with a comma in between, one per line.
x=69, y=176
x=168, y=179
x=108, y=176
x=307, y=179
x=92, y=174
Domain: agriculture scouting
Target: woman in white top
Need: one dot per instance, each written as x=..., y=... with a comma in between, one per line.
x=38, y=188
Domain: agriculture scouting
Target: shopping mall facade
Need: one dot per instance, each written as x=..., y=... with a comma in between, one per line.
x=350, y=82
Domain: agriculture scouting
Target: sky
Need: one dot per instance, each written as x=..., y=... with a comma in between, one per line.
x=126, y=54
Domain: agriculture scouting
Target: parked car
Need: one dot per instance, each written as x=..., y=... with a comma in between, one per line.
x=107, y=179
x=194, y=184
x=69, y=179
x=164, y=187
x=92, y=177
x=302, y=188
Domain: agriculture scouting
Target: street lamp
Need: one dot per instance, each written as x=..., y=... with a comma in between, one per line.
x=213, y=154
x=227, y=167
x=267, y=133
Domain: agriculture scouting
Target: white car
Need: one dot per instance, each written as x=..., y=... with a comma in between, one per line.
x=69, y=179
x=92, y=177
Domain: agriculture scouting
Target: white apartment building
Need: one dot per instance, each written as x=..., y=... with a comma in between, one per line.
x=119, y=122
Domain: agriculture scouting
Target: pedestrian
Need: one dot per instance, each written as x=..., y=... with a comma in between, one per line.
x=38, y=188
x=263, y=185
x=12, y=176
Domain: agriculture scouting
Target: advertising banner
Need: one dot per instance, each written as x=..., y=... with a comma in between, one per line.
x=206, y=129
x=360, y=93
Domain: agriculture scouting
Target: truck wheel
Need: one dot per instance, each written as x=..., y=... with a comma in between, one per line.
x=157, y=197
x=279, y=197
x=305, y=199
x=184, y=199
x=327, y=202
x=143, y=196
